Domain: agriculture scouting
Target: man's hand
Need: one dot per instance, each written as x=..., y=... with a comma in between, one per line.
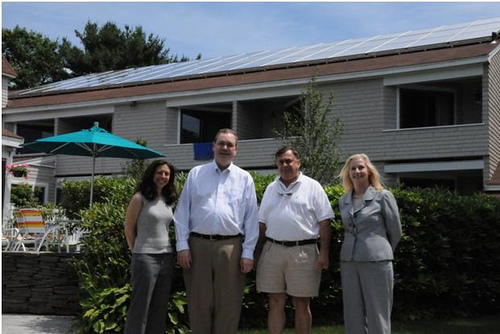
x=246, y=265
x=323, y=261
x=184, y=259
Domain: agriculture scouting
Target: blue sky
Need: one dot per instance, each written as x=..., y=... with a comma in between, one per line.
x=227, y=28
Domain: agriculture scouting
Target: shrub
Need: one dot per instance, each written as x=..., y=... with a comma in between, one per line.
x=76, y=194
x=446, y=264
x=449, y=258
x=104, y=264
x=23, y=196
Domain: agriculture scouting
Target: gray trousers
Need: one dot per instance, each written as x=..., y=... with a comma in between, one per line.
x=151, y=283
x=367, y=294
x=214, y=285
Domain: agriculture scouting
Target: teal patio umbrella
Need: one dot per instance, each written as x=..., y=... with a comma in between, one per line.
x=94, y=142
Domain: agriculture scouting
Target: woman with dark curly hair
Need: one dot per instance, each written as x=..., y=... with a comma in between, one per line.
x=148, y=218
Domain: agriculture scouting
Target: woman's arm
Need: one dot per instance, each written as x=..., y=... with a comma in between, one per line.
x=133, y=210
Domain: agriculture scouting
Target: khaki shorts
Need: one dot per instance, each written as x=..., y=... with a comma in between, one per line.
x=289, y=270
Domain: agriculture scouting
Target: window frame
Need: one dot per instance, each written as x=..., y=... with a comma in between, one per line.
x=453, y=91
x=205, y=114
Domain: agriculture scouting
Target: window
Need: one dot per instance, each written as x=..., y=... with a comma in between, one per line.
x=202, y=126
x=424, y=108
x=31, y=132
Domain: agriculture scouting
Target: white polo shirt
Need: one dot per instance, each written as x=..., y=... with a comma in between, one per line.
x=293, y=213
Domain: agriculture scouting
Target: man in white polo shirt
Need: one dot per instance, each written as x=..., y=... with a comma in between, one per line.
x=294, y=213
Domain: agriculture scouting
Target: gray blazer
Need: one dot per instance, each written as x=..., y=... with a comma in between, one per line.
x=372, y=232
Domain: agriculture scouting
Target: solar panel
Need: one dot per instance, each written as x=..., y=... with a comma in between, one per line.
x=479, y=30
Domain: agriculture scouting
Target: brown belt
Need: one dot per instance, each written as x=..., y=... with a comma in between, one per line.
x=213, y=237
x=293, y=243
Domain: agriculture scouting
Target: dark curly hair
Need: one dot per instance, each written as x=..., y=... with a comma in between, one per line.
x=147, y=186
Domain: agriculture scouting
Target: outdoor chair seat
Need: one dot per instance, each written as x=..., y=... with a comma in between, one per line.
x=33, y=230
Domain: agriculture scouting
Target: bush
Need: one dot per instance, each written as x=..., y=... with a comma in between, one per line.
x=104, y=264
x=23, y=196
x=76, y=194
x=446, y=264
x=449, y=258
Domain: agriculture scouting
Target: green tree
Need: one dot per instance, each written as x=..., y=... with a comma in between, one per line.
x=39, y=60
x=110, y=48
x=315, y=132
x=134, y=168
x=34, y=57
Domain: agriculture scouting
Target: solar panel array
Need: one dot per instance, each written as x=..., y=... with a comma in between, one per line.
x=406, y=41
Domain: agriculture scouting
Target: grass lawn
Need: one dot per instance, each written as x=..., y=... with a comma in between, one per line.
x=483, y=325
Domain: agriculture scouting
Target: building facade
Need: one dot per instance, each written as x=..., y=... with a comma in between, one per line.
x=425, y=109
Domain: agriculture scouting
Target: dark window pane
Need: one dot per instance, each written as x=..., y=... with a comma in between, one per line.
x=202, y=126
x=420, y=108
x=31, y=133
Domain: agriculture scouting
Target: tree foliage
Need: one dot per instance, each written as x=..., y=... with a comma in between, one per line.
x=110, y=48
x=135, y=168
x=39, y=60
x=315, y=132
x=34, y=57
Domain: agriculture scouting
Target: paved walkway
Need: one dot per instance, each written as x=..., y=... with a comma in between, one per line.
x=36, y=324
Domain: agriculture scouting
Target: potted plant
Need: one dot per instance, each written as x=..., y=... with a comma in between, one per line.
x=18, y=170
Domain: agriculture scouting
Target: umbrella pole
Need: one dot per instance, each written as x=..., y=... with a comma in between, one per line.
x=92, y=180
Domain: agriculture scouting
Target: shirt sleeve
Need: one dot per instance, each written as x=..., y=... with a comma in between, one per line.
x=251, y=221
x=181, y=216
x=264, y=208
x=392, y=221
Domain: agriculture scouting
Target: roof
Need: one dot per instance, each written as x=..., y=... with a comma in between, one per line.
x=7, y=133
x=7, y=68
x=442, y=43
x=304, y=72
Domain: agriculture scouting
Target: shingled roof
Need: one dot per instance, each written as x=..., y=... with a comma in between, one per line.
x=7, y=68
x=440, y=44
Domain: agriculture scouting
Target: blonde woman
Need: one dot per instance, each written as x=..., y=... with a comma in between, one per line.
x=372, y=230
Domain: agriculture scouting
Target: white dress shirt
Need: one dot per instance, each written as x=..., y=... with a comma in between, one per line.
x=218, y=202
x=293, y=213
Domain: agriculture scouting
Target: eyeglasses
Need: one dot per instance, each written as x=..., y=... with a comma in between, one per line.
x=288, y=191
x=285, y=193
x=225, y=143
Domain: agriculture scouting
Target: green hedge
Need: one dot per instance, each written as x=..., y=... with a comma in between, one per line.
x=447, y=262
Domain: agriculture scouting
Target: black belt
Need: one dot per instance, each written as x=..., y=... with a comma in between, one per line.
x=293, y=243
x=214, y=236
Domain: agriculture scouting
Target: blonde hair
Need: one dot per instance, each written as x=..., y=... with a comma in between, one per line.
x=373, y=175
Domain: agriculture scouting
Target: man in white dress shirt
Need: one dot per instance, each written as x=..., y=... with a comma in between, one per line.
x=216, y=225
x=294, y=213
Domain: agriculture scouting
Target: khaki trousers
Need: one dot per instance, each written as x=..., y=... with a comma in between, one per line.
x=214, y=285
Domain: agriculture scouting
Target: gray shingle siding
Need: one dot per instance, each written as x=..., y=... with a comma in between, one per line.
x=360, y=105
x=249, y=121
x=251, y=154
x=5, y=86
x=147, y=121
x=492, y=107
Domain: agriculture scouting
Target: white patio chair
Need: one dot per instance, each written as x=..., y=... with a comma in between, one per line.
x=10, y=238
x=33, y=230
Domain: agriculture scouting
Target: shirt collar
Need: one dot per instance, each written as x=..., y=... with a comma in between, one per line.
x=283, y=190
x=218, y=170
